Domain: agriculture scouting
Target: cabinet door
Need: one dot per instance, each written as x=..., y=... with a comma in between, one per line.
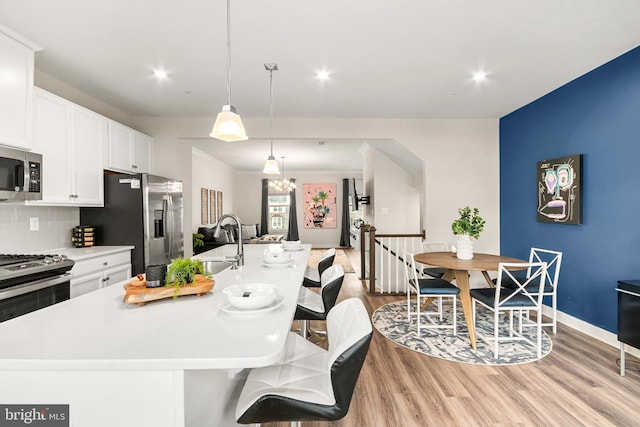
x=117, y=274
x=51, y=139
x=86, y=148
x=141, y=152
x=15, y=93
x=120, y=147
x=85, y=284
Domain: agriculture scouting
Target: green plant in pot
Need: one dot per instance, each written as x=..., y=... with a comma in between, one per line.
x=182, y=271
x=198, y=240
x=470, y=224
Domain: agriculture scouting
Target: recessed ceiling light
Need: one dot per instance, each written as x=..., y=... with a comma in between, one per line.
x=323, y=75
x=160, y=74
x=479, y=76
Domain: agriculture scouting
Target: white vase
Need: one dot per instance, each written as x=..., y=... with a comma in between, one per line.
x=464, y=247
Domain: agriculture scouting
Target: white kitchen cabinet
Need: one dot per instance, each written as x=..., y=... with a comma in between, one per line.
x=129, y=150
x=96, y=272
x=70, y=139
x=16, y=85
x=86, y=284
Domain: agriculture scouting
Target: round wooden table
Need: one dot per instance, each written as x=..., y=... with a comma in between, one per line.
x=459, y=269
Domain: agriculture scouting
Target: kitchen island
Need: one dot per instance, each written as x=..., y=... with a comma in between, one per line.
x=167, y=363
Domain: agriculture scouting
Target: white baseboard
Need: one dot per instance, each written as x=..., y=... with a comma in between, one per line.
x=593, y=331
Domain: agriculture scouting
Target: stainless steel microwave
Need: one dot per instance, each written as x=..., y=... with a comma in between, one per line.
x=20, y=175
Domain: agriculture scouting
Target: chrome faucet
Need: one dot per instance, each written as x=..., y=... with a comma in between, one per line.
x=238, y=260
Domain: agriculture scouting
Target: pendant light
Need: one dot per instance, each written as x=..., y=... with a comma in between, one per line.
x=271, y=165
x=228, y=126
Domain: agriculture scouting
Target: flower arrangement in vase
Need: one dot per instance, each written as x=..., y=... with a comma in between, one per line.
x=470, y=224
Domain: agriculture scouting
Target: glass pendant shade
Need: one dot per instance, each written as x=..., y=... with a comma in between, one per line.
x=228, y=126
x=271, y=166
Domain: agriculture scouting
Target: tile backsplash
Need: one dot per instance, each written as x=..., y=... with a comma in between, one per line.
x=54, y=223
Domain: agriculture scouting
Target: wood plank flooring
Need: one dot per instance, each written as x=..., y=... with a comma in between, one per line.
x=577, y=384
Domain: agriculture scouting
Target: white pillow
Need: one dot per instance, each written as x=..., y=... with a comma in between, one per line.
x=249, y=232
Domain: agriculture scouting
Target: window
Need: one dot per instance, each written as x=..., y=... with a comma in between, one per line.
x=278, y=214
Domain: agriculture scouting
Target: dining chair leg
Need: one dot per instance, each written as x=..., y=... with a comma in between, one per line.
x=296, y=424
x=440, y=308
x=455, y=328
x=539, y=328
x=496, y=318
x=303, y=328
x=418, y=310
x=554, y=302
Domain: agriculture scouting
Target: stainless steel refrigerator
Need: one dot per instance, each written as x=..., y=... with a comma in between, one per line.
x=141, y=210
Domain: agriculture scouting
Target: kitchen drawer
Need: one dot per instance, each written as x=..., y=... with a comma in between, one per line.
x=100, y=263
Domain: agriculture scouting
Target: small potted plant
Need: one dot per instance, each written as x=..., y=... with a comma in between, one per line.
x=470, y=224
x=182, y=271
x=198, y=240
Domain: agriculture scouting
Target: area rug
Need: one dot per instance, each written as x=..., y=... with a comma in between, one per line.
x=391, y=321
x=341, y=258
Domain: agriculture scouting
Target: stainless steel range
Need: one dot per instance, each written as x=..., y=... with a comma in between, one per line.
x=31, y=282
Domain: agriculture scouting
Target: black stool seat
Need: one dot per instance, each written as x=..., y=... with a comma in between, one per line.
x=311, y=383
x=312, y=275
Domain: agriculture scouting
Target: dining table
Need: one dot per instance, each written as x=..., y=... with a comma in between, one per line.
x=458, y=270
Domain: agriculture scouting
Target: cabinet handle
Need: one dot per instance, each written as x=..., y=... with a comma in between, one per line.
x=135, y=166
x=105, y=263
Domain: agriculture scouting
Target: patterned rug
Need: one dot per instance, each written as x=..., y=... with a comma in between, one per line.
x=341, y=258
x=391, y=321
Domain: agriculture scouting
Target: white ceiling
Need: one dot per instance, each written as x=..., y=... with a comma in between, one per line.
x=388, y=59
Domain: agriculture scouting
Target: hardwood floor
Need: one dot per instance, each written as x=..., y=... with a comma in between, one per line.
x=578, y=383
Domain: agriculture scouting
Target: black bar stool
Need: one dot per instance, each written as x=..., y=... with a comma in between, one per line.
x=311, y=383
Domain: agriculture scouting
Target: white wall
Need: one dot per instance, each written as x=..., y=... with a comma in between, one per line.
x=212, y=174
x=461, y=159
x=395, y=200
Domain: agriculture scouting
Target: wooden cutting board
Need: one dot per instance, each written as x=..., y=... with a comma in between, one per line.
x=138, y=293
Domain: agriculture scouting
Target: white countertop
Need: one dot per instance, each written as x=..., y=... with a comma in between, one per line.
x=78, y=254
x=98, y=331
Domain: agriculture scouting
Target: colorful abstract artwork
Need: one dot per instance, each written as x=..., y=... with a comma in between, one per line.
x=560, y=190
x=320, y=205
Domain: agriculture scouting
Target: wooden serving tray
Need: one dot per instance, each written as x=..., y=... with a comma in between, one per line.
x=138, y=293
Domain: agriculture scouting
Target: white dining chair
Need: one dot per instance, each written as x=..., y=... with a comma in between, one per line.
x=425, y=289
x=526, y=295
x=553, y=260
x=435, y=272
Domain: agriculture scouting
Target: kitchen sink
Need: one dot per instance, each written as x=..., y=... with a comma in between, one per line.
x=214, y=267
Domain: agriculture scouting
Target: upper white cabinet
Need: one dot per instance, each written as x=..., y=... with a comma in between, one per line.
x=16, y=85
x=70, y=139
x=129, y=150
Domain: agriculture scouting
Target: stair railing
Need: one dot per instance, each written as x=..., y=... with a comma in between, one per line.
x=381, y=262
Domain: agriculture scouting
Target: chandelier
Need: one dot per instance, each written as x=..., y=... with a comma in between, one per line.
x=282, y=184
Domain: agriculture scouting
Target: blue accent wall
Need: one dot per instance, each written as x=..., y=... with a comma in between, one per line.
x=597, y=115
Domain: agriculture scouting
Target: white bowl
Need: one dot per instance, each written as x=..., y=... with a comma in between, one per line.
x=250, y=296
x=291, y=243
x=277, y=257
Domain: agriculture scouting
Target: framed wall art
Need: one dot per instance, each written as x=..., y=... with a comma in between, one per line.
x=204, y=205
x=320, y=205
x=560, y=190
x=213, y=211
x=219, y=203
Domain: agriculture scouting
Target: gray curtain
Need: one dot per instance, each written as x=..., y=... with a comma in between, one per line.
x=344, y=234
x=292, y=234
x=264, y=226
